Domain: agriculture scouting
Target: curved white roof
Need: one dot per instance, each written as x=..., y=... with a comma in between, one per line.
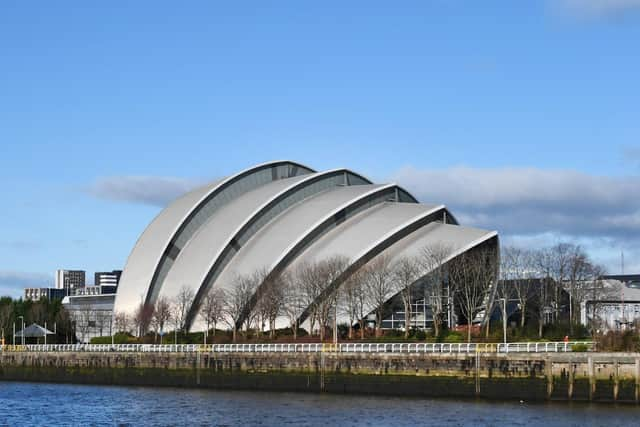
x=194, y=261
x=274, y=240
x=147, y=254
x=197, y=259
x=274, y=217
x=356, y=236
x=455, y=238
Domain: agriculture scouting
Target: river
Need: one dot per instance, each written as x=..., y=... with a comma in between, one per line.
x=43, y=404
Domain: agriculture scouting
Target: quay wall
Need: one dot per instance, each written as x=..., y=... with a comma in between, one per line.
x=604, y=377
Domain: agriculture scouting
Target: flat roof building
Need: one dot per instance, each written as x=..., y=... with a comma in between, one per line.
x=107, y=278
x=35, y=294
x=70, y=280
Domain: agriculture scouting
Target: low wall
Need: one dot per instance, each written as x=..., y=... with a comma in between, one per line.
x=562, y=376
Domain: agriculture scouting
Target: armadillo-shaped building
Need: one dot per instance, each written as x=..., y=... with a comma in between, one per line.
x=275, y=216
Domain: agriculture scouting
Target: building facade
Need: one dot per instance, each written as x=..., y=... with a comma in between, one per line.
x=69, y=280
x=91, y=315
x=614, y=305
x=107, y=278
x=35, y=294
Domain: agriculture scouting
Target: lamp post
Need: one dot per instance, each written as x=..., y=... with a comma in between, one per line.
x=504, y=320
x=335, y=324
x=22, y=333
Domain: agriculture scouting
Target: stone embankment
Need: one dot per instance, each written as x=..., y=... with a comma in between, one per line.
x=550, y=376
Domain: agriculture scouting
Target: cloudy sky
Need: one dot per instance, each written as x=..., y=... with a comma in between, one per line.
x=523, y=117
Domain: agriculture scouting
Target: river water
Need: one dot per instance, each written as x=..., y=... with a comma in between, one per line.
x=26, y=404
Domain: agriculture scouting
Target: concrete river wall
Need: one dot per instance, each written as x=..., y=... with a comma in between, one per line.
x=548, y=376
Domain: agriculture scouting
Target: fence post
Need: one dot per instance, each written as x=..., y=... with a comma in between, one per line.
x=548, y=365
x=592, y=382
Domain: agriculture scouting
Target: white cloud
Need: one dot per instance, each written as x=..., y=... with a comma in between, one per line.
x=536, y=204
x=150, y=190
x=597, y=8
x=12, y=283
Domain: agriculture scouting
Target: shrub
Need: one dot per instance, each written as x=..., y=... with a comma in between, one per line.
x=119, y=338
x=579, y=348
x=420, y=335
x=618, y=341
x=453, y=337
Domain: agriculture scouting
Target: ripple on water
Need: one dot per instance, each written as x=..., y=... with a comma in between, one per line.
x=26, y=404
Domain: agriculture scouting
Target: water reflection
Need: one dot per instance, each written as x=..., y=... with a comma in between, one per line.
x=62, y=404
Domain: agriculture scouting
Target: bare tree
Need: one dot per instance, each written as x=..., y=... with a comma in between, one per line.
x=272, y=299
x=406, y=271
x=103, y=321
x=237, y=300
x=434, y=258
x=473, y=273
x=122, y=322
x=517, y=271
x=294, y=302
x=561, y=255
x=176, y=319
x=182, y=303
x=212, y=310
x=85, y=321
x=318, y=282
x=161, y=316
x=142, y=318
x=578, y=266
x=261, y=308
x=544, y=262
x=329, y=271
x=352, y=301
x=307, y=278
x=597, y=291
x=379, y=287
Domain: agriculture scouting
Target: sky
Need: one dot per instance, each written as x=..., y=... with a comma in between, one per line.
x=522, y=117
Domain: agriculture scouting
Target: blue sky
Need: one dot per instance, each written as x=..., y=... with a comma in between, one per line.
x=522, y=116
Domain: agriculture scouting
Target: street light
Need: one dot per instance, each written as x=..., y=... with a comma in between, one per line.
x=22, y=333
x=504, y=319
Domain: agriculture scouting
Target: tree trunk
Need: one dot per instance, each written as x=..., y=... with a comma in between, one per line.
x=312, y=323
x=523, y=313
x=540, y=323
x=378, y=324
x=407, y=319
x=488, y=327
x=469, y=323
x=235, y=331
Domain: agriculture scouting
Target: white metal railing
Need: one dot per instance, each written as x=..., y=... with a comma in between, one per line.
x=518, y=347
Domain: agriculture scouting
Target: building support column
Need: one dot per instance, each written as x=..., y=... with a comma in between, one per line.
x=571, y=378
x=616, y=380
